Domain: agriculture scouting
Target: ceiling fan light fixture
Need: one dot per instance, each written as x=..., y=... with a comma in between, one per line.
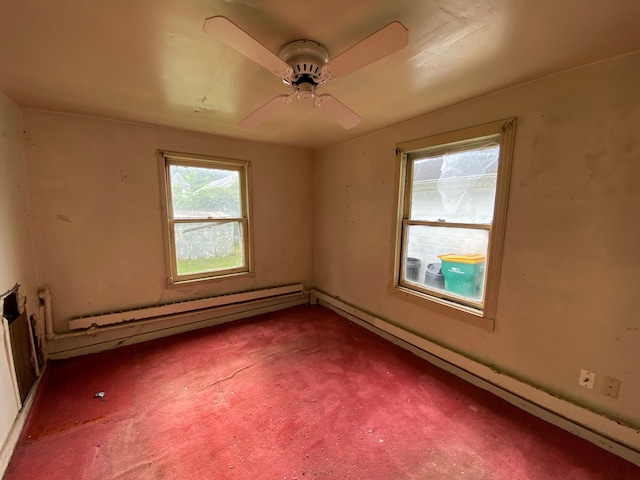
x=306, y=91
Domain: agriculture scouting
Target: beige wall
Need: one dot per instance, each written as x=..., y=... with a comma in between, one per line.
x=570, y=269
x=98, y=238
x=16, y=256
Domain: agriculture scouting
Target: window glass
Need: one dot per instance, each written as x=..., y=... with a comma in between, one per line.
x=449, y=260
x=455, y=187
x=208, y=247
x=199, y=192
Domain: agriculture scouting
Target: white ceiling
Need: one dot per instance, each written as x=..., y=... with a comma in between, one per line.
x=150, y=61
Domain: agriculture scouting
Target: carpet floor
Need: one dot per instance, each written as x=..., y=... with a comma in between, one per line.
x=296, y=394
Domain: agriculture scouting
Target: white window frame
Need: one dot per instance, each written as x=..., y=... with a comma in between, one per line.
x=479, y=314
x=168, y=158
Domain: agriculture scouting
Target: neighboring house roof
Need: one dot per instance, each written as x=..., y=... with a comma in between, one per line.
x=427, y=169
x=480, y=162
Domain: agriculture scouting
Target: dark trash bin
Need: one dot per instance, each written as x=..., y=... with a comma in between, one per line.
x=433, y=277
x=412, y=269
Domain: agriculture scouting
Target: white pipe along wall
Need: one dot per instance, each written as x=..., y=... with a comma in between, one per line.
x=187, y=308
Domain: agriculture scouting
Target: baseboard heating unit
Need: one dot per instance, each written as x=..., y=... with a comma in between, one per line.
x=157, y=311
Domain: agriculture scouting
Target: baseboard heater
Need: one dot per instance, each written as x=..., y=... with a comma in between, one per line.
x=157, y=311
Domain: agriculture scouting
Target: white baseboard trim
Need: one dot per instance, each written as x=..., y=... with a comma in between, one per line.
x=14, y=435
x=604, y=432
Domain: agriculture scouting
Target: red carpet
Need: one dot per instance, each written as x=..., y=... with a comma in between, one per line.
x=297, y=394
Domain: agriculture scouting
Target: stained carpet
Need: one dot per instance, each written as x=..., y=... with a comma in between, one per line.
x=296, y=394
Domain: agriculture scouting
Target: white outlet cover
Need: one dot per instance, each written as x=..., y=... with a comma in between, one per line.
x=587, y=378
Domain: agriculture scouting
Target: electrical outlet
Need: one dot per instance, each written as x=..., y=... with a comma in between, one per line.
x=610, y=387
x=587, y=379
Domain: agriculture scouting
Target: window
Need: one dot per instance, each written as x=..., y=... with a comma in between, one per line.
x=207, y=218
x=452, y=204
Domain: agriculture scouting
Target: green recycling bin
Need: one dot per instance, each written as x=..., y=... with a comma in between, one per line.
x=463, y=274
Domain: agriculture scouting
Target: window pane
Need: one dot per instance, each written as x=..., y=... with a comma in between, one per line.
x=461, y=269
x=199, y=192
x=455, y=187
x=208, y=246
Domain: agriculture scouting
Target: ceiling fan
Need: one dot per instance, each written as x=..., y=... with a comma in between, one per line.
x=305, y=66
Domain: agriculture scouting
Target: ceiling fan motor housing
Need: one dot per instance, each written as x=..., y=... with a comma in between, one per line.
x=306, y=58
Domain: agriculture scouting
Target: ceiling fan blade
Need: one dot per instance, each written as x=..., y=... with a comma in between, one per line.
x=338, y=111
x=376, y=46
x=228, y=32
x=265, y=111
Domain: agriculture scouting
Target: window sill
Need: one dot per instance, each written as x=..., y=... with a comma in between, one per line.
x=199, y=281
x=450, y=309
